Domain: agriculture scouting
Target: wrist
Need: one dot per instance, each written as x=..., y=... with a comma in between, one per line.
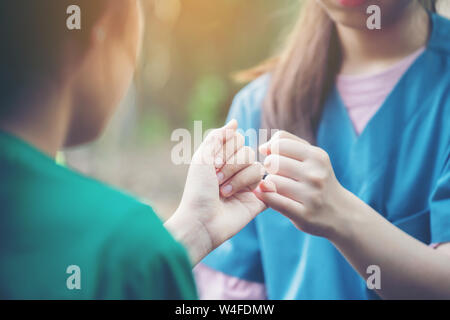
x=191, y=234
x=348, y=214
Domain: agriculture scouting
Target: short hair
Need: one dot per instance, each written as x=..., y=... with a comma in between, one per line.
x=31, y=37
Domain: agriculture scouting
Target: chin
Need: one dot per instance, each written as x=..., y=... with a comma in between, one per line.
x=85, y=133
x=349, y=13
x=353, y=20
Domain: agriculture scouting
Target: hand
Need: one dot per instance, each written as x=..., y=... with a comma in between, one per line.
x=218, y=200
x=303, y=187
x=301, y=184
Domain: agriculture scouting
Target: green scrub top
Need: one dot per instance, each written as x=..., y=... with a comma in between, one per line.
x=66, y=236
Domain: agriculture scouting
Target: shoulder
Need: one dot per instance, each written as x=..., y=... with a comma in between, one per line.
x=247, y=104
x=436, y=64
x=253, y=93
x=135, y=245
x=142, y=234
x=440, y=37
x=151, y=263
x=116, y=212
x=132, y=236
x=126, y=220
x=85, y=194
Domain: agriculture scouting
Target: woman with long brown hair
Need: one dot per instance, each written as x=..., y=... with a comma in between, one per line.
x=361, y=169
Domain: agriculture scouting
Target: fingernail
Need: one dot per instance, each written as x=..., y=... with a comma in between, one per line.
x=227, y=189
x=269, y=186
x=258, y=190
x=220, y=176
x=264, y=148
x=231, y=124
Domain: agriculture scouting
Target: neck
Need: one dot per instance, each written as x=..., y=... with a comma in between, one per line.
x=366, y=51
x=41, y=121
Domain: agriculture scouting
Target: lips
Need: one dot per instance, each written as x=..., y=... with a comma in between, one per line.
x=351, y=3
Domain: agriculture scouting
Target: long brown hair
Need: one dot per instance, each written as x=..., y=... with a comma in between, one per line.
x=33, y=34
x=304, y=72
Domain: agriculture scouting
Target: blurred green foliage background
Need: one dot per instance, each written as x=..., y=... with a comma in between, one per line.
x=191, y=48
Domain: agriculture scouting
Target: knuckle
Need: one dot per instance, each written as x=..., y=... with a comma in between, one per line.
x=279, y=145
x=283, y=134
x=279, y=135
x=304, y=148
x=316, y=200
x=275, y=147
x=307, y=215
x=317, y=179
x=276, y=135
x=305, y=142
x=321, y=155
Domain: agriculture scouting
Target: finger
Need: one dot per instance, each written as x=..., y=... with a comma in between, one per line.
x=319, y=156
x=254, y=186
x=267, y=186
x=213, y=143
x=230, y=127
x=208, y=149
x=286, y=167
x=255, y=206
x=288, y=187
x=245, y=180
x=243, y=158
x=288, y=207
x=265, y=148
x=286, y=135
x=231, y=146
x=290, y=148
x=223, y=134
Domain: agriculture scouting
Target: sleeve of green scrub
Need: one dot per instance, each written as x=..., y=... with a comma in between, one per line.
x=143, y=261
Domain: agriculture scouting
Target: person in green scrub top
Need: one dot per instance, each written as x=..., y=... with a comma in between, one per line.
x=67, y=236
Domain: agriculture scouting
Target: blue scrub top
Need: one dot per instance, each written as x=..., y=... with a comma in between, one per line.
x=399, y=165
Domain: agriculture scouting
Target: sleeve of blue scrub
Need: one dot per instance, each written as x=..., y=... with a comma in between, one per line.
x=440, y=206
x=240, y=256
